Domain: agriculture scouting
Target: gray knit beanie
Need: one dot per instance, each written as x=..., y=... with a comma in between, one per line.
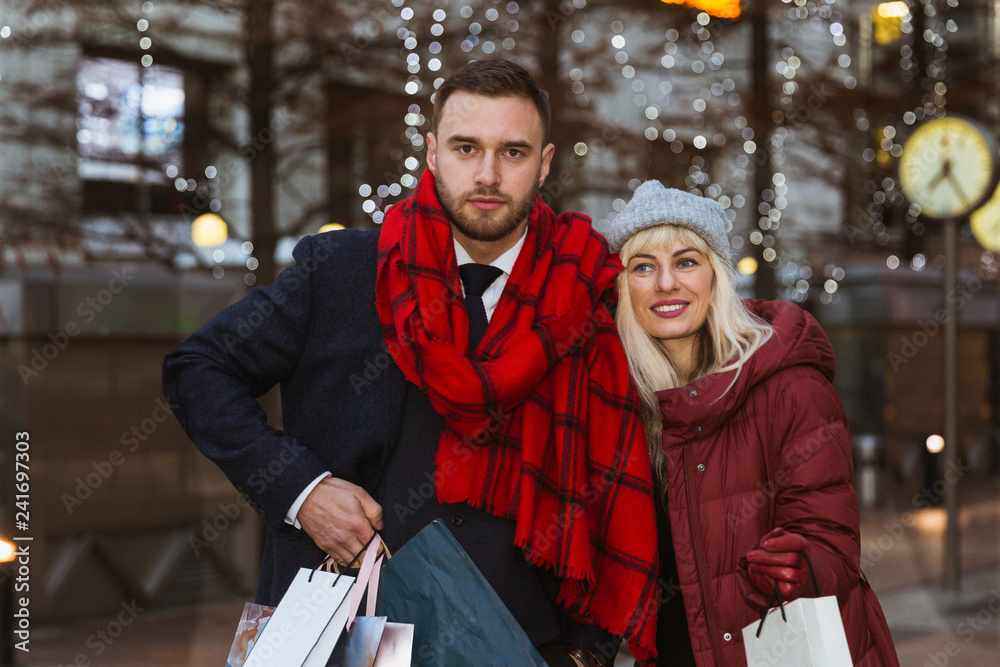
x=652, y=205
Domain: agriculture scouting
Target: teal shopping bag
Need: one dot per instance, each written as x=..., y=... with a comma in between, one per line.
x=458, y=619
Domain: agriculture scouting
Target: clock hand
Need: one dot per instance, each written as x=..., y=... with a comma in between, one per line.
x=957, y=187
x=941, y=175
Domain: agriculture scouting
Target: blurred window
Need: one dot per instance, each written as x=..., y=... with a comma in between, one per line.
x=130, y=121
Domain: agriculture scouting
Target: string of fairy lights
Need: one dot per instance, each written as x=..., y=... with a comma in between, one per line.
x=377, y=196
x=146, y=60
x=793, y=109
x=697, y=62
x=145, y=42
x=885, y=192
x=208, y=230
x=491, y=34
x=692, y=103
x=689, y=99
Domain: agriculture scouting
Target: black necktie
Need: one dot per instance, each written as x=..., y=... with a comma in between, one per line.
x=477, y=278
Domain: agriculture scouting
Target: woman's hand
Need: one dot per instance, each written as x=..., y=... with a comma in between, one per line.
x=780, y=560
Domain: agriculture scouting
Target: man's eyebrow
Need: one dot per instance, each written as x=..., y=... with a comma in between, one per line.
x=522, y=144
x=462, y=139
x=514, y=143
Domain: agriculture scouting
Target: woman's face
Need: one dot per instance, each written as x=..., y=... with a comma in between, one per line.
x=670, y=289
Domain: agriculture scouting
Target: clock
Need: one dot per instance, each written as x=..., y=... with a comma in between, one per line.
x=948, y=167
x=986, y=223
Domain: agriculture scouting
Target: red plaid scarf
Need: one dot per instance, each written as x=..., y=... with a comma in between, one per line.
x=542, y=420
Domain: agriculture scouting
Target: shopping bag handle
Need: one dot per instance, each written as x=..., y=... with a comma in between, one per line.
x=330, y=564
x=368, y=577
x=776, y=595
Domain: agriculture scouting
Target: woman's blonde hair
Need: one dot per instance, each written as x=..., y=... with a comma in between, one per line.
x=730, y=336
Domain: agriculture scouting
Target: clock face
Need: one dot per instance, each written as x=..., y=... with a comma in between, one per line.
x=948, y=167
x=986, y=223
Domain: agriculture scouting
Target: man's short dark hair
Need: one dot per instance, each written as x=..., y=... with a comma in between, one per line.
x=494, y=78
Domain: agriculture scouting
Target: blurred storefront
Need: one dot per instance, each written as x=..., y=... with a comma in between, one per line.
x=887, y=331
x=123, y=507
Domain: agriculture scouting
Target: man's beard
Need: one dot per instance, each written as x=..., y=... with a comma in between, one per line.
x=484, y=227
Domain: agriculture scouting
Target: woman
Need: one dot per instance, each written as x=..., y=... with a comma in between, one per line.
x=747, y=436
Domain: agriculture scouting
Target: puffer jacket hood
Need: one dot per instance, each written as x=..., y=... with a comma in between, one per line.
x=798, y=340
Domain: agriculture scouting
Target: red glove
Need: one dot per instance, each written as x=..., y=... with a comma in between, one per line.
x=780, y=560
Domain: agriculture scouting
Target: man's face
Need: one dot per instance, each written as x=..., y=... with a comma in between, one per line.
x=489, y=161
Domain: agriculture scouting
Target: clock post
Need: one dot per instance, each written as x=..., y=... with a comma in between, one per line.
x=952, y=557
x=949, y=168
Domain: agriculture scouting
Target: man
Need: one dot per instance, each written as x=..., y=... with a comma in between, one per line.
x=457, y=364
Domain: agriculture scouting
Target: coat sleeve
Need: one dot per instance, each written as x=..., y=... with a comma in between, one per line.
x=213, y=379
x=812, y=473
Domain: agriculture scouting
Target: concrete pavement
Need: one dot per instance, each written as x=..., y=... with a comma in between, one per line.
x=902, y=556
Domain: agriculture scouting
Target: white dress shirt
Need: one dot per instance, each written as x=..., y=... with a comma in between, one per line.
x=505, y=262
x=491, y=297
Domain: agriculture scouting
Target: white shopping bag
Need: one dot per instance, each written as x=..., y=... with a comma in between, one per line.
x=306, y=624
x=811, y=635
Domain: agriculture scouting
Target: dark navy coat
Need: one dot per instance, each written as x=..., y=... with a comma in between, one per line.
x=316, y=332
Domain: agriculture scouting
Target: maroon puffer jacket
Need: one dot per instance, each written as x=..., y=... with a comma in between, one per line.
x=773, y=450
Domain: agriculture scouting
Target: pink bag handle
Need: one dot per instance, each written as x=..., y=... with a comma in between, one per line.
x=373, y=587
x=367, y=578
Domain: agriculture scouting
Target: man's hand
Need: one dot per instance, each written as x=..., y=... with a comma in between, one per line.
x=340, y=517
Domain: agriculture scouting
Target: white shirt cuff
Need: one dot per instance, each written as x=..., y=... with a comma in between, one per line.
x=293, y=511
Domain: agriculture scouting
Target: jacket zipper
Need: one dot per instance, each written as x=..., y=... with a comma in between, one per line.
x=699, y=558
